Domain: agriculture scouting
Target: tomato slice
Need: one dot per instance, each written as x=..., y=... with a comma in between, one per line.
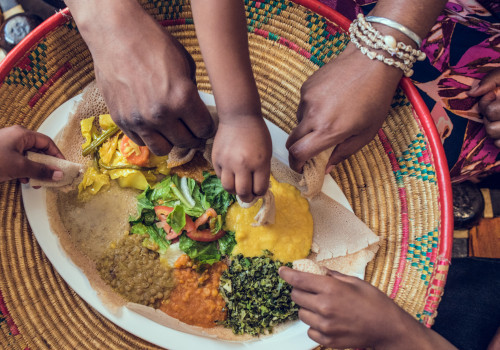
x=209, y=213
x=137, y=155
x=190, y=226
x=162, y=212
x=205, y=235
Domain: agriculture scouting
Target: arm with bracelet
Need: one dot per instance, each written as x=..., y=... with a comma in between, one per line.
x=346, y=101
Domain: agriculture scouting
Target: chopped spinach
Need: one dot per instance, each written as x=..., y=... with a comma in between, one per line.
x=256, y=297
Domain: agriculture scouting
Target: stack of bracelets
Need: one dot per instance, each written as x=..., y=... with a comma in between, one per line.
x=403, y=56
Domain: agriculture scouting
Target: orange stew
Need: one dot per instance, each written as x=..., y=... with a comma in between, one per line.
x=195, y=299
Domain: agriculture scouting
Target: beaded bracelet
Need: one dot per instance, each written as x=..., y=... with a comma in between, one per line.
x=407, y=71
x=389, y=40
x=363, y=32
x=401, y=51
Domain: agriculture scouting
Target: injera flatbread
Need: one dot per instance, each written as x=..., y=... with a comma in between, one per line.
x=71, y=171
x=337, y=241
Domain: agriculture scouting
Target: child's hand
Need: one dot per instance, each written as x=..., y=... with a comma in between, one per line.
x=489, y=103
x=345, y=312
x=241, y=156
x=15, y=141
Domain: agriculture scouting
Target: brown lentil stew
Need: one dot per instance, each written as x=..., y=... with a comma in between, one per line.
x=195, y=299
x=136, y=272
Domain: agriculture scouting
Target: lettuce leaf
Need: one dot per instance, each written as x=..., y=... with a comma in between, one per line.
x=156, y=240
x=202, y=252
x=177, y=218
x=219, y=199
x=227, y=243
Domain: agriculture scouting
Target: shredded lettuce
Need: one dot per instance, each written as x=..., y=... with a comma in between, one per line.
x=177, y=219
x=219, y=198
x=187, y=197
x=156, y=237
x=227, y=243
x=202, y=252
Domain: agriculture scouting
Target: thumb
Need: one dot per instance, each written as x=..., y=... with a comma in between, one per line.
x=34, y=170
x=488, y=83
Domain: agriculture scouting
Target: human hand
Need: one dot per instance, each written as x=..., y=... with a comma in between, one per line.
x=489, y=104
x=241, y=156
x=344, y=311
x=147, y=79
x=15, y=141
x=344, y=103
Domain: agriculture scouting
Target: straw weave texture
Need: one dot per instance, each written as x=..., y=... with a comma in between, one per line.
x=390, y=183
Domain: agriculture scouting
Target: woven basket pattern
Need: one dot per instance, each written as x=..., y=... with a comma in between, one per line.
x=390, y=183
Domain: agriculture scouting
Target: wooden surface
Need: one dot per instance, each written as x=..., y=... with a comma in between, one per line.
x=484, y=239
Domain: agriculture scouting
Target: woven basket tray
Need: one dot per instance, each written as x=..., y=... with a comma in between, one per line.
x=398, y=184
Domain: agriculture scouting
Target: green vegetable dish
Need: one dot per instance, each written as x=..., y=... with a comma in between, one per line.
x=256, y=297
x=182, y=210
x=180, y=214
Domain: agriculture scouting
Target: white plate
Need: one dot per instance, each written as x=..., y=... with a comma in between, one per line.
x=294, y=337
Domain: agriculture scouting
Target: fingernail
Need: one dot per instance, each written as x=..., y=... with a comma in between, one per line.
x=57, y=175
x=329, y=169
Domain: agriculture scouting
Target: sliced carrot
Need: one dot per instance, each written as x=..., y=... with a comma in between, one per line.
x=135, y=154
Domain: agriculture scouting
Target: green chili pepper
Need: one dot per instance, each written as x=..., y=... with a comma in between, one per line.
x=100, y=140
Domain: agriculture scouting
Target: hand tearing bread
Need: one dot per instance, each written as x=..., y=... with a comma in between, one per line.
x=307, y=265
x=267, y=212
x=70, y=170
x=314, y=174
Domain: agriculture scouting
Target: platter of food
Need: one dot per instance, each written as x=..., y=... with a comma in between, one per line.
x=160, y=251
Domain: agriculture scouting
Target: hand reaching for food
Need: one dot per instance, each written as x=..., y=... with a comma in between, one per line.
x=487, y=91
x=344, y=103
x=344, y=312
x=15, y=141
x=145, y=75
x=241, y=156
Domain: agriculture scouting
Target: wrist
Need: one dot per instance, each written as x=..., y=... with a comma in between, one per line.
x=405, y=333
x=99, y=20
x=390, y=74
x=238, y=99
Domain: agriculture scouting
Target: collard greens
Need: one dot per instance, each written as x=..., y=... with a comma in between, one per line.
x=256, y=297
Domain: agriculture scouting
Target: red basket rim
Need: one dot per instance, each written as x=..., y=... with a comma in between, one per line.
x=436, y=148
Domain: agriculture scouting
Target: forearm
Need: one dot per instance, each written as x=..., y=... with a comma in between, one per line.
x=224, y=44
x=418, y=16
x=409, y=334
x=100, y=21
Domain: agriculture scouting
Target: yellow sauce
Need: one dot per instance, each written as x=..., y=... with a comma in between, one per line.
x=289, y=238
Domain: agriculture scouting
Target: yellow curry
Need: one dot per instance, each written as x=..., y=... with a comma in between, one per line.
x=289, y=238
